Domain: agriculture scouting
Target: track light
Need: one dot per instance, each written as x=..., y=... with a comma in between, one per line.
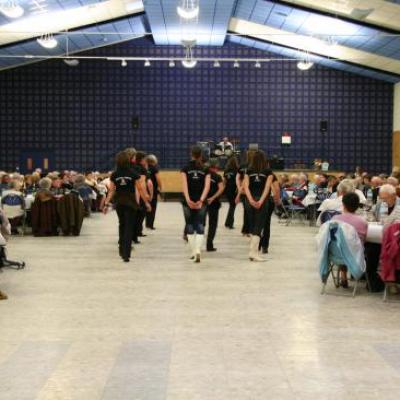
x=72, y=62
x=147, y=63
x=236, y=64
x=217, y=64
x=171, y=64
x=257, y=64
x=189, y=63
x=124, y=63
x=304, y=65
x=47, y=41
x=11, y=9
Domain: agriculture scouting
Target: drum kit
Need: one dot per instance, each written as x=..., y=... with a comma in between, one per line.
x=215, y=150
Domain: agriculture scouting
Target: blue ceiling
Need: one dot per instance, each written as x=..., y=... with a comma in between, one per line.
x=32, y=9
x=311, y=23
x=167, y=27
x=211, y=29
x=132, y=28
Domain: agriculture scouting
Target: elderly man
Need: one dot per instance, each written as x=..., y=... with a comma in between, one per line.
x=388, y=206
x=336, y=204
x=225, y=144
x=376, y=183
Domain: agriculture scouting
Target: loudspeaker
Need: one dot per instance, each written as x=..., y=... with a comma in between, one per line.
x=135, y=122
x=323, y=126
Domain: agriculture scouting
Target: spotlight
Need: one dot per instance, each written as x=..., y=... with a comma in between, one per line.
x=304, y=65
x=188, y=12
x=189, y=63
x=72, y=62
x=47, y=41
x=257, y=64
x=11, y=9
x=124, y=63
x=217, y=64
x=236, y=64
x=147, y=63
x=171, y=64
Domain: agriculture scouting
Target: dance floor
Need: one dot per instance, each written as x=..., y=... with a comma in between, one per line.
x=81, y=324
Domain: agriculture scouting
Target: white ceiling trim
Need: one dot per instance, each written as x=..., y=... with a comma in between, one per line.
x=27, y=28
x=384, y=14
x=314, y=45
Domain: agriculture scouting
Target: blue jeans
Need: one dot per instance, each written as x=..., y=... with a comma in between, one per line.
x=194, y=220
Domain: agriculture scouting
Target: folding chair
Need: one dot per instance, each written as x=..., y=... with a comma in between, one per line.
x=6, y=263
x=13, y=206
x=338, y=258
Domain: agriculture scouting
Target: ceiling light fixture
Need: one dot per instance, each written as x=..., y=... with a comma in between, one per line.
x=48, y=41
x=147, y=63
x=217, y=64
x=304, y=65
x=171, y=64
x=188, y=9
x=189, y=63
x=71, y=62
x=257, y=64
x=236, y=64
x=11, y=9
x=124, y=63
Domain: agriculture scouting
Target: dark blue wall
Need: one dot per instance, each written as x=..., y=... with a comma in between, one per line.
x=83, y=114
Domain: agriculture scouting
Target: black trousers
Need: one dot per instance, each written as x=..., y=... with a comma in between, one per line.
x=266, y=234
x=140, y=216
x=372, y=255
x=257, y=218
x=213, y=212
x=126, y=219
x=246, y=228
x=151, y=216
x=230, y=217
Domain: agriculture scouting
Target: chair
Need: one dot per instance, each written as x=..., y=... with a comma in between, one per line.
x=340, y=246
x=44, y=215
x=71, y=212
x=13, y=205
x=291, y=210
x=328, y=215
x=6, y=230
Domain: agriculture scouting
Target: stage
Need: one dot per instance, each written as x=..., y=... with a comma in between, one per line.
x=171, y=178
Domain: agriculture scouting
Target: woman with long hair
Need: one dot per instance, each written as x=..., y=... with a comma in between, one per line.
x=231, y=170
x=195, y=188
x=124, y=183
x=241, y=196
x=274, y=198
x=257, y=187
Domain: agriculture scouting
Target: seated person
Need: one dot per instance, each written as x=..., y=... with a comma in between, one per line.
x=387, y=208
x=351, y=203
x=225, y=144
x=301, y=190
x=376, y=183
x=336, y=204
x=14, y=205
x=333, y=183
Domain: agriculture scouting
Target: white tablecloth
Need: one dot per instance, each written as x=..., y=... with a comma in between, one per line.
x=374, y=233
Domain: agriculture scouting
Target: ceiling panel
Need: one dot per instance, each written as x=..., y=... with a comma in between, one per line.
x=85, y=39
x=209, y=29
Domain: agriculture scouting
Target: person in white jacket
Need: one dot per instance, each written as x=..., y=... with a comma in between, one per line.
x=5, y=229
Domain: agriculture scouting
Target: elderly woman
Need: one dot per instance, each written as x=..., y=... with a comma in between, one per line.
x=44, y=210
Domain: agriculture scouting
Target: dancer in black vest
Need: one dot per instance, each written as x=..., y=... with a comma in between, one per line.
x=124, y=183
x=257, y=186
x=241, y=196
x=213, y=203
x=154, y=172
x=273, y=199
x=140, y=167
x=231, y=170
x=195, y=187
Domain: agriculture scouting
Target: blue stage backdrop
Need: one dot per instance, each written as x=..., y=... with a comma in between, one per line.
x=82, y=115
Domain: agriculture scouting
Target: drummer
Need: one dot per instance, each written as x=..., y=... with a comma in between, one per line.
x=225, y=144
